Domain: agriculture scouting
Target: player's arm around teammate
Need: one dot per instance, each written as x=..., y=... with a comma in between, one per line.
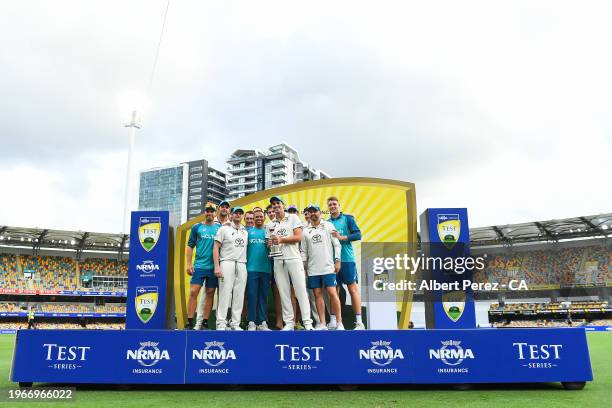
x=321, y=252
x=230, y=255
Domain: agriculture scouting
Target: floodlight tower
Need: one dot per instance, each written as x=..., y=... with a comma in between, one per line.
x=134, y=124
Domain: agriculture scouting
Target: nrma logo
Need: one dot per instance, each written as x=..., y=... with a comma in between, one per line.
x=214, y=354
x=452, y=354
x=147, y=267
x=381, y=354
x=538, y=355
x=148, y=354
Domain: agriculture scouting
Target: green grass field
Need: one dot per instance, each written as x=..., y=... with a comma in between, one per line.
x=595, y=393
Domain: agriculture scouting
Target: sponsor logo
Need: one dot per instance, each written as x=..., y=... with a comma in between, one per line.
x=239, y=242
x=62, y=357
x=452, y=354
x=538, y=356
x=316, y=239
x=148, y=355
x=282, y=232
x=147, y=267
x=149, y=229
x=381, y=354
x=214, y=354
x=146, y=302
x=299, y=357
x=449, y=228
x=454, y=304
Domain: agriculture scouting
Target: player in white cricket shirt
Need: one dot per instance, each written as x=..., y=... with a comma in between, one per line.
x=321, y=256
x=230, y=255
x=286, y=231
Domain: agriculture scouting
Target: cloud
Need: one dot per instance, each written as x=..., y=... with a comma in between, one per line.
x=502, y=108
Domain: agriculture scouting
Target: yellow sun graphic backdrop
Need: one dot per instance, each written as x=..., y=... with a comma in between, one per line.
x=385, y=211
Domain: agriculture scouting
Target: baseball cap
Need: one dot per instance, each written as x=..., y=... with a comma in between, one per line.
x=292, y=209
x=224, y=203
x=312, y=207
x=210, y=206
x=236, y=209
x=276, y=198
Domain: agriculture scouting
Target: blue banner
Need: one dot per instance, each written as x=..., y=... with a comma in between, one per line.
x=302, y=357
x=445, y=235
x=147, y=299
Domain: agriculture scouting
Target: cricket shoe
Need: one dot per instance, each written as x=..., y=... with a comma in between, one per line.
x=320, y=327
x=359, y=326
x=263, y=327
x=288, y=327
x=251, y=326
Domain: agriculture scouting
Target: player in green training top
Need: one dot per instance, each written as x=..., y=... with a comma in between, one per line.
x=202, y=238
x=346, y=232
x=259, y=272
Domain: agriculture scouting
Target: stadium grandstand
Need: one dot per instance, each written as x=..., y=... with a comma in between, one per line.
x=79, y=279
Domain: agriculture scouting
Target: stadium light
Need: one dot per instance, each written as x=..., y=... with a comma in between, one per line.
x=135, y=103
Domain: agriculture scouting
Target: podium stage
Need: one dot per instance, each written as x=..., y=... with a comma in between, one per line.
x=302, y=357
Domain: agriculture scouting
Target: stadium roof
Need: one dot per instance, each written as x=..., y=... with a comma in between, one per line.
x=37, y=238
x=552, y=230
x=539, y=231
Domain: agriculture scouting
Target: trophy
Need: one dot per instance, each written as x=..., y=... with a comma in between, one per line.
x=275, y=250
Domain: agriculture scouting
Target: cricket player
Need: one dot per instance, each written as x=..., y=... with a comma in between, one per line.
x=202, y=237
x=223, y=215
x=286, y=231
x=230, y=256
x=259, y=271
x=205, y=301
x=347, y=231
x=249, y=219
x=321, y=256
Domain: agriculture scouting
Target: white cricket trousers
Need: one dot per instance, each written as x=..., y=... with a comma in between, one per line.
x=289, y=272
x=231, y=292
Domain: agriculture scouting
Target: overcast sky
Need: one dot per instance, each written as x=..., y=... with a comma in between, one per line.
x=501, y=107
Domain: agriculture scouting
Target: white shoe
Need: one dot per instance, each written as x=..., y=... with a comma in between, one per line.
x=359, y=326
x=251, y=326
x=236, y=328
x=221, y=327
x=320, y=327
x=197, y=327
x=288, y=327
x=308, y=326
x=263, y=326
x=331, y=326
x=340, y=327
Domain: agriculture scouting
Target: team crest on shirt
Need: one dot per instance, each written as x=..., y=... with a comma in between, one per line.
x=454, y=304
x=239, y=242
x=449, y=228
x=149, y=229
x=317, y=238
x=146, y=302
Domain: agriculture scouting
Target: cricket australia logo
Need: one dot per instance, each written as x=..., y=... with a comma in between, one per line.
x=214, y=354
x=452, y=354
x=381, y=354
x=148, y=354
x=239, y=242
x=449, y=229
x=316, y=238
